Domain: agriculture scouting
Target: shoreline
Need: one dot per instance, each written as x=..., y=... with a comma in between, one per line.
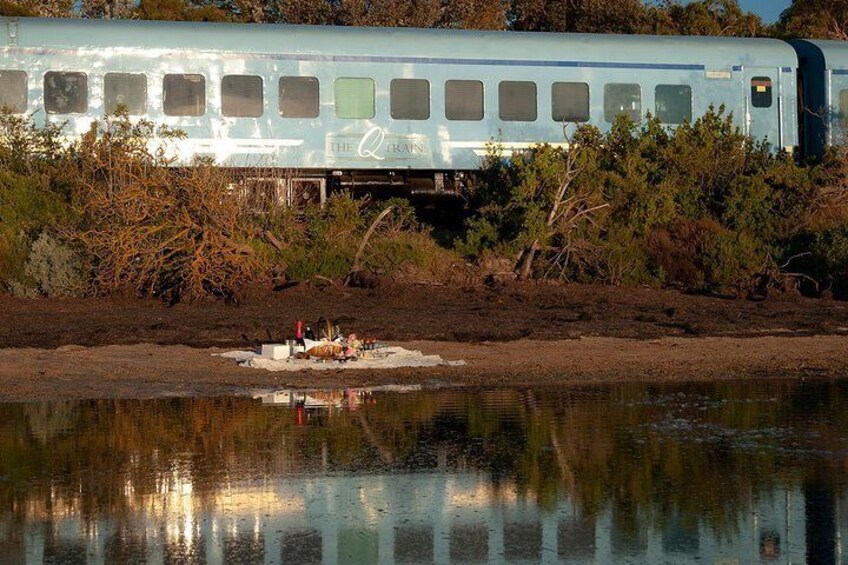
x=148, y=370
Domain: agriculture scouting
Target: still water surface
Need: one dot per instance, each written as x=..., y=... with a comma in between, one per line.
x=708, y=473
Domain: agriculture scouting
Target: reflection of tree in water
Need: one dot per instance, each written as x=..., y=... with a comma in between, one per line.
x=665, y=454
x=48, y=420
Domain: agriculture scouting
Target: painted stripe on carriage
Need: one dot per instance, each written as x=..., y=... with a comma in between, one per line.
x=229, y=145
x=485, y=153
x=246, y=142
x=314, y=57
x=505, y=145
x=503, y=62
x=233, y=144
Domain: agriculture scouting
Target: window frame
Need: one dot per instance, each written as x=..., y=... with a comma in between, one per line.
x=85, y=93
x=317, y=98
x=392, y=99
x=588, y=102
x=755, y=95
x=146, y=101
x=373, y=98
x=688, y=118
x=18, y=72
x=502, y=98
x=611, y=119
x=482, y=100
x=843, y=107
x=165, y=97
x=261, y=97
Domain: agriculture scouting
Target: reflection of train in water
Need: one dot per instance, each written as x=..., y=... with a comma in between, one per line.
x=430, y=477
x=329, y=398
x=406, y=518
x=377, y=107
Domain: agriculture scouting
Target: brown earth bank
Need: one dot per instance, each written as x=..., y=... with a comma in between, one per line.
x=537, y=311
x=148, y=370
x=520, y=335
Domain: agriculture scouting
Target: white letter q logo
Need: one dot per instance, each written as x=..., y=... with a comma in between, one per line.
x=371, y=143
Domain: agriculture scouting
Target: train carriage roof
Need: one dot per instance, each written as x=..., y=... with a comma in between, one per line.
x=392, y=44
x=830, y=54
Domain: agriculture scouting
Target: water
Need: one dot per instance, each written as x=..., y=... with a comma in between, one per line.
x=708, y=473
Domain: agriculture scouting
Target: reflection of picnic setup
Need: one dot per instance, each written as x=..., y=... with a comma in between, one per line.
x=331, y=350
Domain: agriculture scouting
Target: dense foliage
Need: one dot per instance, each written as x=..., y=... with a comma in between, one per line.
x=701, y=207
x=109, y=214
x=805, y=18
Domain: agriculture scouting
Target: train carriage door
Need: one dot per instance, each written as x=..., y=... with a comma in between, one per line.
x=763, y=112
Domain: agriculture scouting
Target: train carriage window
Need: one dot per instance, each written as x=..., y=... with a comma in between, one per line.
x=410, y=99
x=65, y=93
x=464, y=100
x=517, y=101
x=184, y=95
x=354, y=98
x=127, y=90
x=241, y=96
x=673, y=103
x=622, y=99
x=843, y=109
x=570, y=102
x=13, y=91
x=298, y=97
x=761, y=92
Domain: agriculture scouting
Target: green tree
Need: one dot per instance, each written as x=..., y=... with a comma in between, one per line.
x=390, y=13
x=180, y=10
x=309, y=12
x=13, y=9
x=474, y=14
x=586, y=16
x=49, y=8
x=705, y=17
x=826, y=19
x=108, y=9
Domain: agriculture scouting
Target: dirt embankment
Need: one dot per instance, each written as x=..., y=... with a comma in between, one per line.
x=538, y=312
x=518, y=336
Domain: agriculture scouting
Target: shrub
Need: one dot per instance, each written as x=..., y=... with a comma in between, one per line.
x=55, y=268
x=28, y=206
x=662, y=211
x=158, y=230
x=324, y=241
x=638, y=205
x=702, y=255
x=531, y=204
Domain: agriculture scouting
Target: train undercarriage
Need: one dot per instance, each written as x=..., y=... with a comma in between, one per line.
x=271, y=188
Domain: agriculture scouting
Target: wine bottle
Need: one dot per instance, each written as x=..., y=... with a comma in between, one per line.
x=298, y=334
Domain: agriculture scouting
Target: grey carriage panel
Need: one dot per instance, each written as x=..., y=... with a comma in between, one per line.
x=437, y=55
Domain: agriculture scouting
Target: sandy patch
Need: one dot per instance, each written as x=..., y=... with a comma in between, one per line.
x=147, y=370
